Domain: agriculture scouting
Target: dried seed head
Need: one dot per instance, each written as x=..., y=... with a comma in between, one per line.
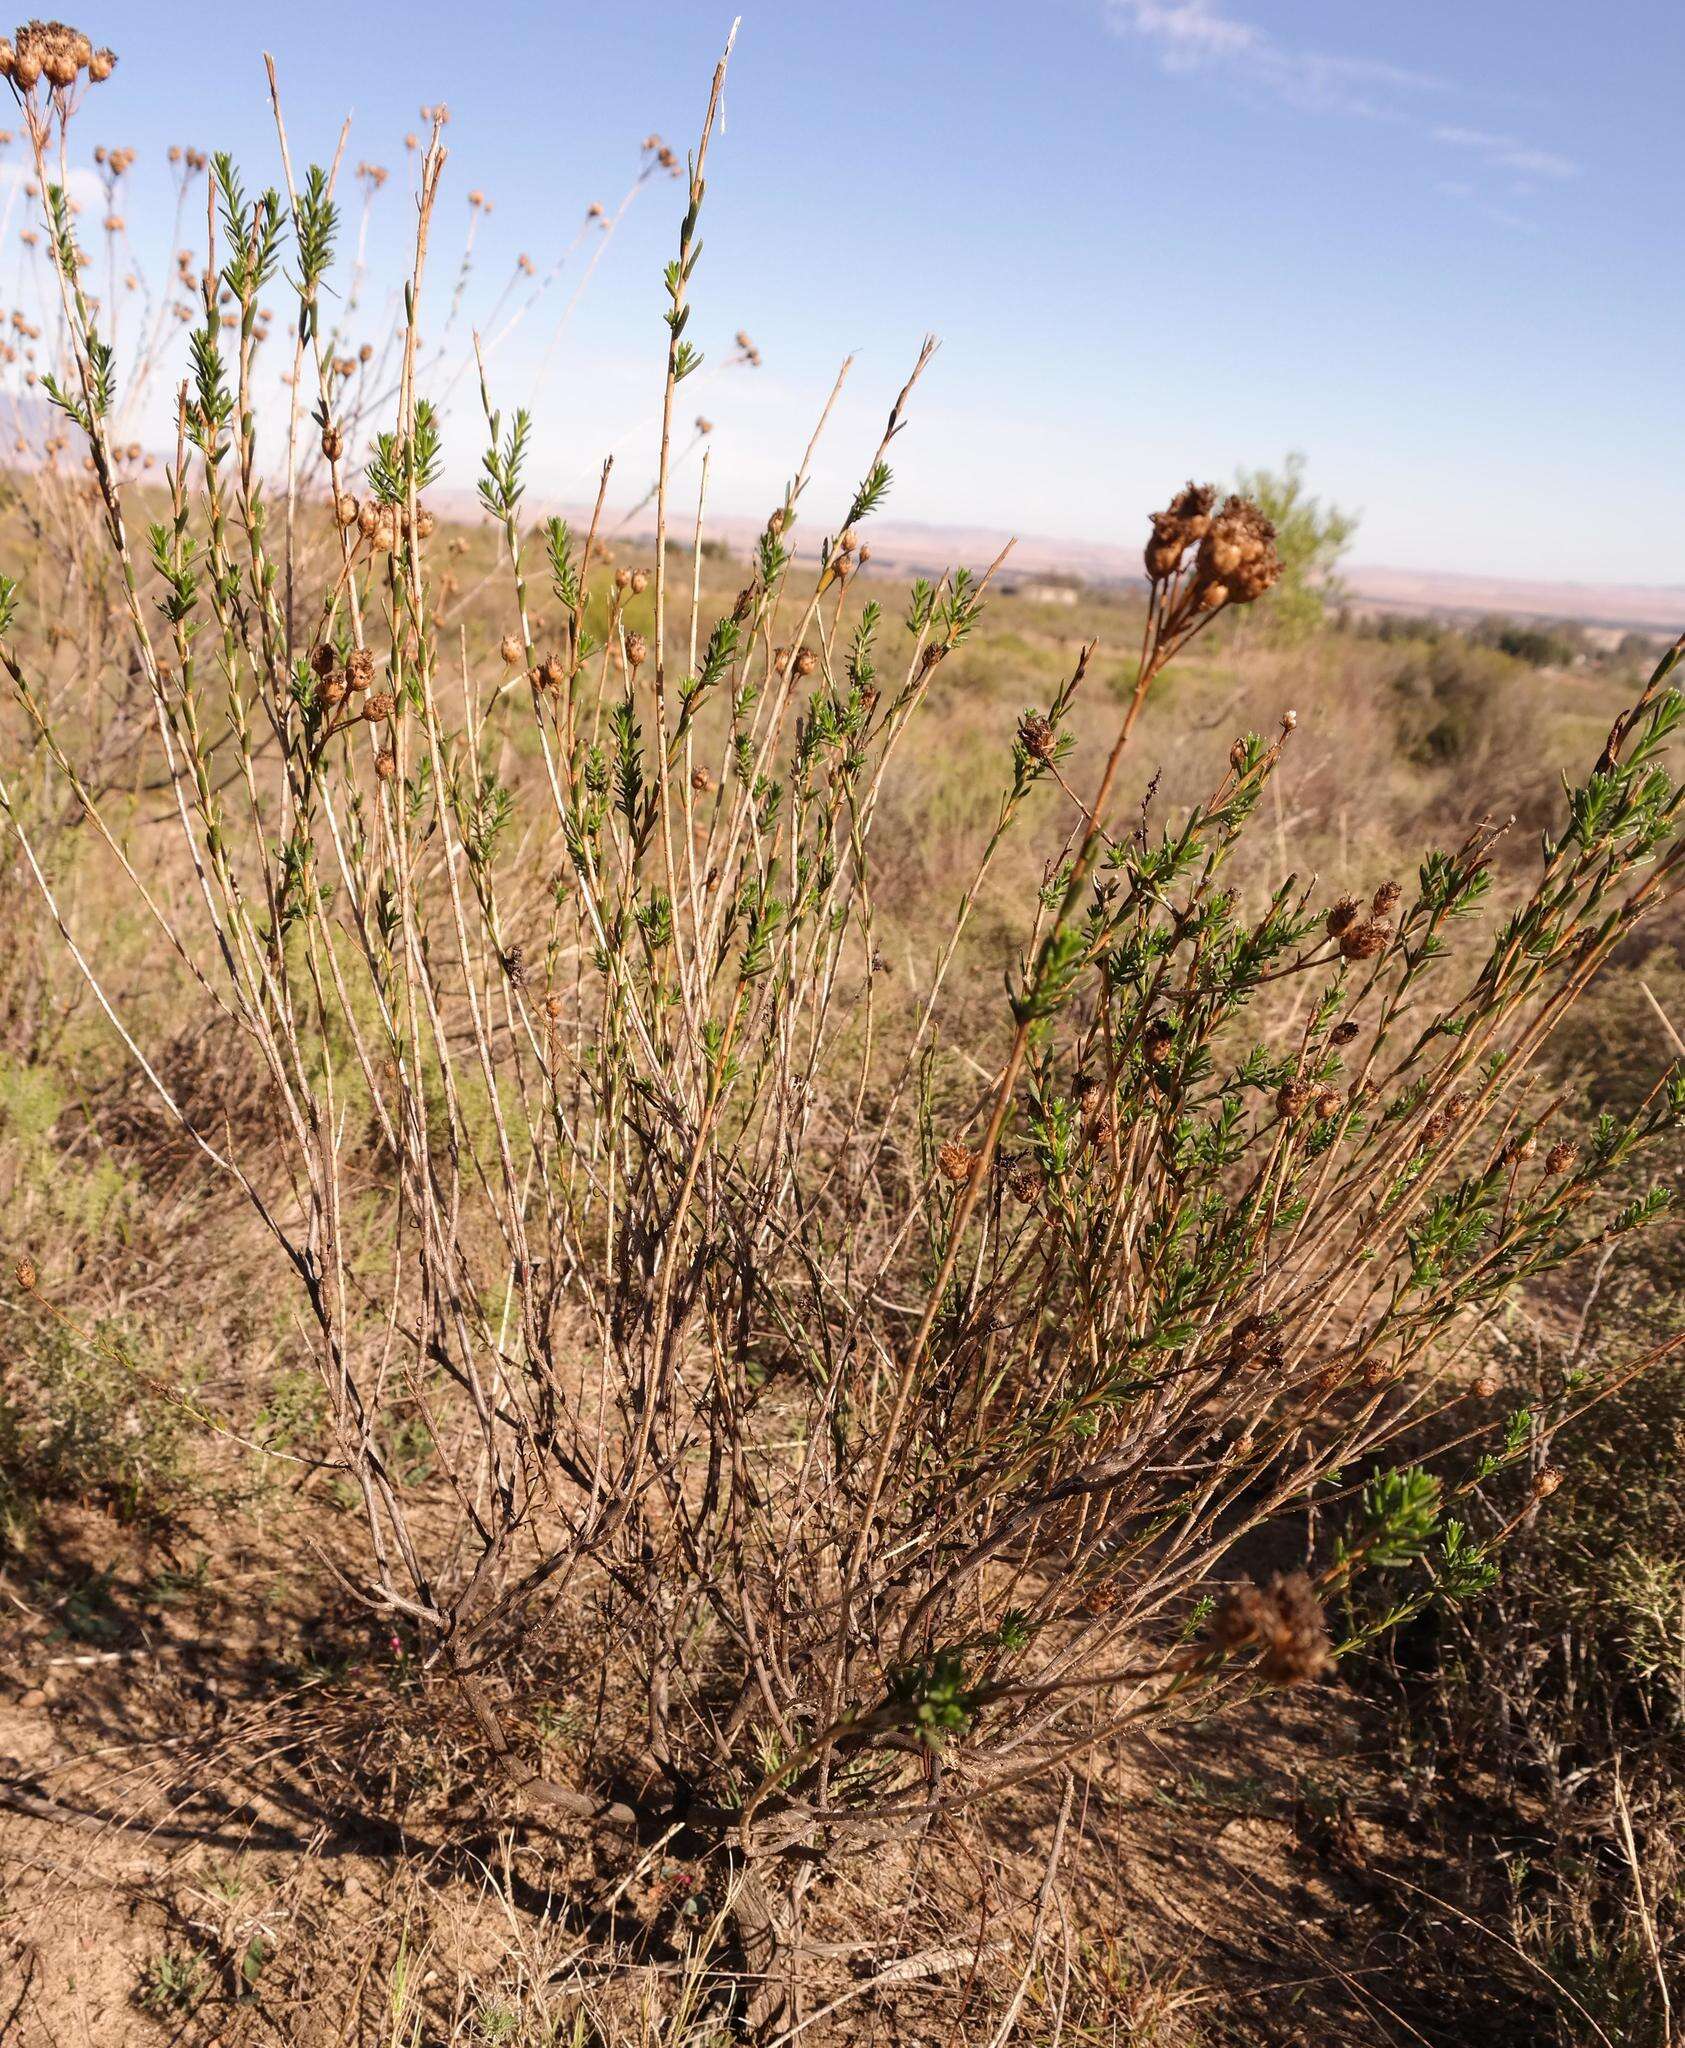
x=1037, y=737
x=386, y=764
x=25, y=1274
x=1184, y=521
x=1329, y=1103
x=806, y=661
x=512, y=651
x=1545, y=1483
x=1284, y=1621
x=333, y=690
x=380, y=707
x=345, y=509
x=1487, y=1385
x=1364, y=941
x=1250, y=1337
x=640, y=582
x=1342, y=916
x=1560, y=1157
x=780, y=661
x=1343, y=1033
x=1237, y=557
x=1386, y=900
x=333, y=442
x=550, y=673
x=1157, y=1039
x=359, y=667
x=954, y=1161
x=1292, y=1097
x=701, y=781
x=622, y=579
x=324, y=660
x=1024, y=1178
x=637, y=648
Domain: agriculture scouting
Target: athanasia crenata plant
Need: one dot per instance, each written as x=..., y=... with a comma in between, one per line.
x=909, y=1440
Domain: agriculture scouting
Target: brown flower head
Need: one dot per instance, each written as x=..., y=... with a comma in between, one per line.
x=954, y=1161
x=1037, y=737
x=1182, y=523
x=1342, y=916
x=1364, y=941
x=1237, y=555
x=1291, y=1097
x=1283, y=1621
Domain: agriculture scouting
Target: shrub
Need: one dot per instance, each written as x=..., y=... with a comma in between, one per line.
x=890, y=1403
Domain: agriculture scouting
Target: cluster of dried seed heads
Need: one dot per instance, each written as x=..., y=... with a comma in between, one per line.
x=1234, y=553
x=52, y=51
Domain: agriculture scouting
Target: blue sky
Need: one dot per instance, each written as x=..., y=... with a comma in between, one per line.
x=1435, y=246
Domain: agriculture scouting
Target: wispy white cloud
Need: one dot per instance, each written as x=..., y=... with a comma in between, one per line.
x=1194, y=35
x=1192, y=32
x=1203, y=35
x=1509, y=153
